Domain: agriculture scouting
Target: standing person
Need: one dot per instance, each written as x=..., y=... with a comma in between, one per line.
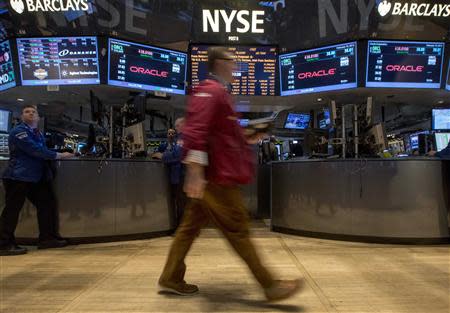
x=28, y=175
x=171, y=154
x=218, y=159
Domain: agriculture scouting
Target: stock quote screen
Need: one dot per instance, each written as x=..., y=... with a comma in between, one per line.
x=255, y=74
x=321, y=69
x=145, y=67
x=58, y=61
x=7, y=77
x=402, y=64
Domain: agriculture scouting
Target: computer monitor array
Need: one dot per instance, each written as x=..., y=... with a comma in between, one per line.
x=76, y=61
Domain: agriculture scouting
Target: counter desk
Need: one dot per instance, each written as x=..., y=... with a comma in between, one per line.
x=103, y=200
x=380, y=200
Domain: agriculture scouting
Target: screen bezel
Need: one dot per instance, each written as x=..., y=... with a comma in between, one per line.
x=108, y=80
x=402, y=85
x=14, y=83
x=325, y=88
x=51, y=81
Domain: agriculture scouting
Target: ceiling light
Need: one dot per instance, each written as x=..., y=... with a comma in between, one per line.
x=20, y=100
x=440, y=101
x=319, y=99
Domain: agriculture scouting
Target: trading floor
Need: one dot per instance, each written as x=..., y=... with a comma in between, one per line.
x=122, y=277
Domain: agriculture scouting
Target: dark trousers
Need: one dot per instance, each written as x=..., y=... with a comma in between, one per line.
x=224, y=206
x=179, y=200
x=41, y=195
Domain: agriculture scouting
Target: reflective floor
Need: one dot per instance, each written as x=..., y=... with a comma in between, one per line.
x=121, y=277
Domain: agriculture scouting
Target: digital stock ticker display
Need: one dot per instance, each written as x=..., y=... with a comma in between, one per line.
x=317, y=70
x=7, y=77
x=58, y=61
x=146, y=67
x=255, y=73
x=402, y=64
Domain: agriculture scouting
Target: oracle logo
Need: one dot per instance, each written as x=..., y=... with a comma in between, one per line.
x=319, y=73
x=404, y=68
x=147, y=71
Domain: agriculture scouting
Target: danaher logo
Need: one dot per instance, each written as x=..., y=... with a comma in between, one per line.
x=17, y=5
x=384, y=7
x=63, y=53
x=146, y=71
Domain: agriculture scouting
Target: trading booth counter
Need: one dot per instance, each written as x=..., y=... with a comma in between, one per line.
x=381, y=200
x=111, y=199
x=104, y=199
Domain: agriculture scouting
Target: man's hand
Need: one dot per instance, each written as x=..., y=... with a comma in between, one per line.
x=431, y=153
x=157, y=155
x=195, y=183
x=254, y=139
x=64, y=155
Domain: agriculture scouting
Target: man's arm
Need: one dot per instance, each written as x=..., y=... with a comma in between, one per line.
x=23, y=141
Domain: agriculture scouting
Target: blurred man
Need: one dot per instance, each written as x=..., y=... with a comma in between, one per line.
x=28, y=175
x=218, y=159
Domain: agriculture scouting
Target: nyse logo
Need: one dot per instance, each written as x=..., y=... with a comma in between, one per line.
x=249, y=21
x=49, y=5
x=414, y=9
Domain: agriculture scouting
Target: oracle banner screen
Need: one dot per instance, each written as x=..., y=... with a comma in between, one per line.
x=402, y=64
x=7, y=77
x=321, y=69
x=255, y=69
x=58, y=61
x=145, y=67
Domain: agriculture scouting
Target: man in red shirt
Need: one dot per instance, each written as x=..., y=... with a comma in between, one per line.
x=218, y=159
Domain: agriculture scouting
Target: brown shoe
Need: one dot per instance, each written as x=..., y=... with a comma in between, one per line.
x=181, y=288
x=283, y=289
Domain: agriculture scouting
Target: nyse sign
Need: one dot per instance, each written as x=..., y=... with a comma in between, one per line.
x=213, y=21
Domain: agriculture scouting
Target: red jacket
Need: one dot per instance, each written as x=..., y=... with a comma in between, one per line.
x=212, y=127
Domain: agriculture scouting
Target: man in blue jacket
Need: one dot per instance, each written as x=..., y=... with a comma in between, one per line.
x=28, y=175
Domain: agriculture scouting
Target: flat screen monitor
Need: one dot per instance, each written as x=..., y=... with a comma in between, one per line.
x=442, y=140
x=448, y=77
x=58, y=61
x=324, y=118
x=321, y=69
x=7, y=77
x=404, y=64
x=243, y=122
x=441, y=119
x=144, y=67
x=255, y=69
x=414, y=141
x=5, y=121
x=297, y=121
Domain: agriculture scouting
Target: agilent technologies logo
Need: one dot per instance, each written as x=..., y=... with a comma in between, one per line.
x=20, y=6
x=413, y=8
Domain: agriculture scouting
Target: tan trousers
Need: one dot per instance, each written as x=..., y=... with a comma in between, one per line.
x=224, y=206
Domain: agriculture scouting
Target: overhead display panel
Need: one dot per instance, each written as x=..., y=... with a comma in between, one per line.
x=137, y=66
x=7, y=77
x=403, y=64
x=322, y=69
x=58, y=61
x=255, y=69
